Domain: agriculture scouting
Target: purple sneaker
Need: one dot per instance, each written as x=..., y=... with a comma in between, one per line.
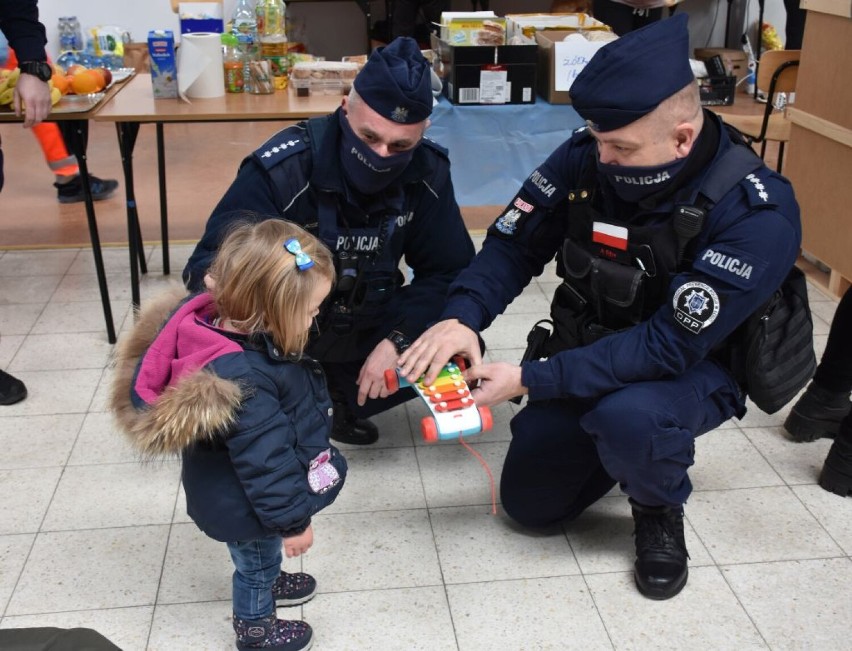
x=272, y=634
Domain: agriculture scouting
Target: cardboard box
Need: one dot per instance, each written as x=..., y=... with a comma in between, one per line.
x=735, y=61
x=559, y=62
x=528, y=24
x=476, y=28
x=504, y=74
x=161, y=52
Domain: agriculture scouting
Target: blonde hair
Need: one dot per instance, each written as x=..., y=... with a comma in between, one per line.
x=259, y=288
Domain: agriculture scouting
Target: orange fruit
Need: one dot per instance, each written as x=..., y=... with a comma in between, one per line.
x=84, y=83
x=61, y=82
x=99, y=75
x=74, y=68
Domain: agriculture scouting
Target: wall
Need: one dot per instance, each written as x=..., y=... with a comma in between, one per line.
x=334, y=29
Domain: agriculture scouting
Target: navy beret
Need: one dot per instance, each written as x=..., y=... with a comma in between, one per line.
x=629, y=77
x=396, y=82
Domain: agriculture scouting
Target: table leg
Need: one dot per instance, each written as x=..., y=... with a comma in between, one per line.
x=127, y=133
x=164, y=208
x=76, y=136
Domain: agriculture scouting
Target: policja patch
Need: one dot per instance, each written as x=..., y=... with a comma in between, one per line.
x=696, y=306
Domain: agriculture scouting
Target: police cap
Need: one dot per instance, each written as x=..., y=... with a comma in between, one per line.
x=396, y=82
x=629, y=77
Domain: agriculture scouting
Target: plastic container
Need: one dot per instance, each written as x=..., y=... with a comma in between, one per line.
x=272, y=30
x=244, y=27
x=322, y=77
x=232, y=63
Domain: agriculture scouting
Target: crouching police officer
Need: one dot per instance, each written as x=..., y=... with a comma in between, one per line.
x=668, y=235
x=368, y=184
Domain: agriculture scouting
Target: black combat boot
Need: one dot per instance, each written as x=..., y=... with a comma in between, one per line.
x=836, y=475
x=348, y=429
x=817, y=414
x=660, y=570
x=272, y=634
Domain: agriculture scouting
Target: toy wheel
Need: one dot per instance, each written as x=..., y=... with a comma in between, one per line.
x=429, y=429
x=391, y=380
x=487, y=419
x=459, y=361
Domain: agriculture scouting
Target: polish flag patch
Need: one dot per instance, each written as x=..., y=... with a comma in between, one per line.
x=610, y=235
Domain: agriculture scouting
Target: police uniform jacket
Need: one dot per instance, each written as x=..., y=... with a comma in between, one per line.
x=246, y=419
x=293, y=176
x=748, y=243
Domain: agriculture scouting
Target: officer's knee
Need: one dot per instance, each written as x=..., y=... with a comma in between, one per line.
x=622, y=426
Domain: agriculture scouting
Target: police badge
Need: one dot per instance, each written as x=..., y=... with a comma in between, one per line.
x=696, y=306
x=508, y=221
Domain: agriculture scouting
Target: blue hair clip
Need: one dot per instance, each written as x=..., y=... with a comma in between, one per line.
x=303, y=260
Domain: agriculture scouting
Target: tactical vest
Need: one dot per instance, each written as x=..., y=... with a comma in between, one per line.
x=616, y=274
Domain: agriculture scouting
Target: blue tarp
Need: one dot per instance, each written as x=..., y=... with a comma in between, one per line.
x=494, y=148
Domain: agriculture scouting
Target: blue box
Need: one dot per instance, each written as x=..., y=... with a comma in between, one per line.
x=161, y=49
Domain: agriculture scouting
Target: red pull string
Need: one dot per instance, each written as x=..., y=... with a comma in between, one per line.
x=487, y=470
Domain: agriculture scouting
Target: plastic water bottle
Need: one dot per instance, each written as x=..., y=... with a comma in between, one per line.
x=244, y=27
x=272, y=28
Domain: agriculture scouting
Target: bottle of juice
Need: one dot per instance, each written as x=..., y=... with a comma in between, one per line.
x=272, y=30
x=233, y=63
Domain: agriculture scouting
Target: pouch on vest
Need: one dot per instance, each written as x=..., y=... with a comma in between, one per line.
x=775, y=357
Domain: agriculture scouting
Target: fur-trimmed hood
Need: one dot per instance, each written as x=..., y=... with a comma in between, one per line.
x=163, y=396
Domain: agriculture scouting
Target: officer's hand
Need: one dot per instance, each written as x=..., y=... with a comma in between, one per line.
x=32, y=96
x=435, y=347
x=498, y=382
x=371, y=379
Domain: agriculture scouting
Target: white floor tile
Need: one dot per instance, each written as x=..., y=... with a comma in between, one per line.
x=113, y=495
x=9, y=345
x=414, y=619
x=832, y=511
x=797, y=604
x=55, y=392
x=554, y=613
x=705, y=615
x=383, y=479
x=24, y=497
x=476, y=546
x=453, y=476
x=93, y=569
x=37, y=441
x=72, y=350
x=116, y=260
x=100, y=442
x=757, y=524
x=727, y=459
x=79, y=317
x=13, y=554
x=19, y=319
x=197, y=568
x=384, y=549
x=796, y=463
x=47, y=262
x=180, y=627
x=29, y=289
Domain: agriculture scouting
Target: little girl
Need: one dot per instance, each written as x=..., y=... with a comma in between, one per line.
x=220, y=378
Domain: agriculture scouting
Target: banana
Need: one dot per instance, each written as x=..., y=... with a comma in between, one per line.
x=55, y=96
x=3, y=85
x=13, y=78
x=6, y=96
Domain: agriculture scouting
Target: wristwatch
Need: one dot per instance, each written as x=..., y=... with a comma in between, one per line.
x=399, y=341
x=40, y=69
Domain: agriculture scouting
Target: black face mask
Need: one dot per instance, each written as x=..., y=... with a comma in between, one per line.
x=635, y=183
x=368, y=172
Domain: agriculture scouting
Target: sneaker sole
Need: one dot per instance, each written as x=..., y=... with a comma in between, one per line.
x=289, y=603
x=310, y=643
x=95, y=197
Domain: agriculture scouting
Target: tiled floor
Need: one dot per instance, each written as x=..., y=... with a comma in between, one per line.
x=409, y=557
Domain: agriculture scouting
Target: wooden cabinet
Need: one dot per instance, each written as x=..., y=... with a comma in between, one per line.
x=820, y=151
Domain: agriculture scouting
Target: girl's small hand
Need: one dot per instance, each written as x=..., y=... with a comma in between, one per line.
x=298, y=545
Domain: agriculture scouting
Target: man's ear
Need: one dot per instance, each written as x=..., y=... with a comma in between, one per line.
x=344, y=103
x=685, y=136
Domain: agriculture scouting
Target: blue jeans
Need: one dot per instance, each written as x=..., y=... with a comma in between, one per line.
x=257, y=563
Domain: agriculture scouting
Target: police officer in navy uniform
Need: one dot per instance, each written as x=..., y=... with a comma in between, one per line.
x=656, y=280
x=367, y=182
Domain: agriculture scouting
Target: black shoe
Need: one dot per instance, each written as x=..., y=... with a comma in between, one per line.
x=72, y=192
x=817, y=414
x=836, y=475
x=660, y=570
x=348, y=429
x=12, y=390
